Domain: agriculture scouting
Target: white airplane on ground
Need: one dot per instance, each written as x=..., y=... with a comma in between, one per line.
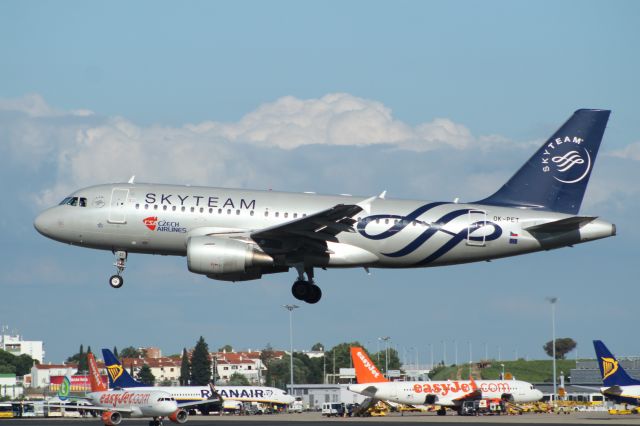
x=450, y=393
x=114, y=404
x=238, y=235
x=120, y=378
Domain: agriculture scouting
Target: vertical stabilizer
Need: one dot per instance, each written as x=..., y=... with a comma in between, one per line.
x=556, y=176
x=118, y=375
x=97, y=385
x=366, y=371
x=612, y=372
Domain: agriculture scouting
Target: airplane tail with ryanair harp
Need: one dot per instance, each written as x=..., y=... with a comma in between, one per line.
x=556, y=176
x=118, y=375
x=612, y=372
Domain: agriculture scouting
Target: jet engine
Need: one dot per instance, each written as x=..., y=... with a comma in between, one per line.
x=226, y=258
x=111, y=418
x=179, y=416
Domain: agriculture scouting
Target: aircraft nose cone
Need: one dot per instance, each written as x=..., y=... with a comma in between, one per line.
x=43, y=223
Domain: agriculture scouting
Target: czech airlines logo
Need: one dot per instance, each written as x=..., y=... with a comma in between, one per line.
x=609, y=367
x=151, y=222
x=115, y=371
x=566, y=159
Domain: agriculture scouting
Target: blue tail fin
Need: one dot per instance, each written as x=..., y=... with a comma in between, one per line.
x=556, y=176
x=118, y=376
x=612, y=373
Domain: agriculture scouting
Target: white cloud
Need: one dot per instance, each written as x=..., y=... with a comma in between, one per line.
x=631, y=152
x=35, y=106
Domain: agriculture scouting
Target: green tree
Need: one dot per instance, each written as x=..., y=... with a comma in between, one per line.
x=115, y=352
x=394, y=359
x=317, y=347
x=564, y=345
x=80, y=358
x=146, y=376
x=130, y=352
x=200, y=364
x=185, y=368
x=280, y=372
x=226, y=348
x=238, y=379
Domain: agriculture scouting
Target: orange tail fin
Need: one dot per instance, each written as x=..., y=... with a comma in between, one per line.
x=97, y=385
x=366, y=371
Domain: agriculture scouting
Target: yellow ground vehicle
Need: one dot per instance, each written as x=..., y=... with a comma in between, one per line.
x=6, y=410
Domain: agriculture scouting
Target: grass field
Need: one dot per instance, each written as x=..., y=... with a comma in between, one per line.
x=529, y=371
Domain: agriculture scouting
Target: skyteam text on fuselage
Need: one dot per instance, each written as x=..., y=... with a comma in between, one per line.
x=238, y=235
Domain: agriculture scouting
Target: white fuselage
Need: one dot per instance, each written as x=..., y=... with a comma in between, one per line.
x=448, y=393
x=160, y=219
x=136, y=402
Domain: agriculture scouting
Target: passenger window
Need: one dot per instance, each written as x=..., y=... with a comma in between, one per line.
x=183, y=208
x=266, y=213
x=295, y=215
x=173, y=208
x=137, y=206
x=286, y=215
x=277, y=214
x=164, y=207
x=192, y=209
x=210, y=210
x=146, y=206
x=201, y=209
x=237, y=211
x=155, y=207
x=219, y=211
x=228, y=211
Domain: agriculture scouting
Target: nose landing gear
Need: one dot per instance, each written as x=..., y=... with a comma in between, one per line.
x=307, y=291
x=116, y=281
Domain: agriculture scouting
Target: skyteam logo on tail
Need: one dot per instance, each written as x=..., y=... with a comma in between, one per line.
x=609, y=366
x=115, y=371
x=566, y=159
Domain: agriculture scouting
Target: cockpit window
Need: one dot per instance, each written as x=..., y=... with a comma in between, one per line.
x=74, y=201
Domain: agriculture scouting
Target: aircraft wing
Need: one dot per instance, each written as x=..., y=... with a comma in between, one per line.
x=315, y=228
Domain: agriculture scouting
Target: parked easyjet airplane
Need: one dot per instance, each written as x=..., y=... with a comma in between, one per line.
x=114, y=404
x=450, y=393
x=120, y=378
x=237, y=235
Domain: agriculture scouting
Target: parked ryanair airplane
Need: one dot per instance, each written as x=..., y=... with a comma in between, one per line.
x=618, y=385
x=119, y=378
x=238, y=235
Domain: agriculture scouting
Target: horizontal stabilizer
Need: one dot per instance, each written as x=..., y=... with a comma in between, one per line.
x=562, y=225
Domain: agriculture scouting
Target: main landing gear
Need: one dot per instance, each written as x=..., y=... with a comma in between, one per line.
x=116, y=281
x=307, y=291
x=157, y=421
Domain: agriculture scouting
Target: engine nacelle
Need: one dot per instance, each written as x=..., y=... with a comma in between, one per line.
x=111, y=418
x=179, y=416
x=216, y=256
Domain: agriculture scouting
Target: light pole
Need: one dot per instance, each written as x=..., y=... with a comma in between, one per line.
x=502, y=378
x=290, y=308
x=385, y=339
x=553, y=301
x=324, y=366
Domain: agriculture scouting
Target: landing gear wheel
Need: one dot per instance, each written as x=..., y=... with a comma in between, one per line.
x=116, y=281
x=441, y=412
x=314, y=294
x=300, y=289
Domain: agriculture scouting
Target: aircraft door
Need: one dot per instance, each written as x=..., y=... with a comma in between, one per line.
x=479, y=239
x=118, y=205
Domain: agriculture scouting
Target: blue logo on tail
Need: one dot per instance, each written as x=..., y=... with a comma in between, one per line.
x=612, y=372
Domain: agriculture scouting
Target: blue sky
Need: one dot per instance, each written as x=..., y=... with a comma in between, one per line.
x=426, y=100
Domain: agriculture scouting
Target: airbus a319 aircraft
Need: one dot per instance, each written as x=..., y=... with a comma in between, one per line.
x=239, y=235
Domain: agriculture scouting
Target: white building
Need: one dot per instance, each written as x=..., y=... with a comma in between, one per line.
x=16, y=346
x=9, y=386
x=41, y=373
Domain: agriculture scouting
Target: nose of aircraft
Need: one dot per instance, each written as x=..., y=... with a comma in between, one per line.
x=44, y=222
